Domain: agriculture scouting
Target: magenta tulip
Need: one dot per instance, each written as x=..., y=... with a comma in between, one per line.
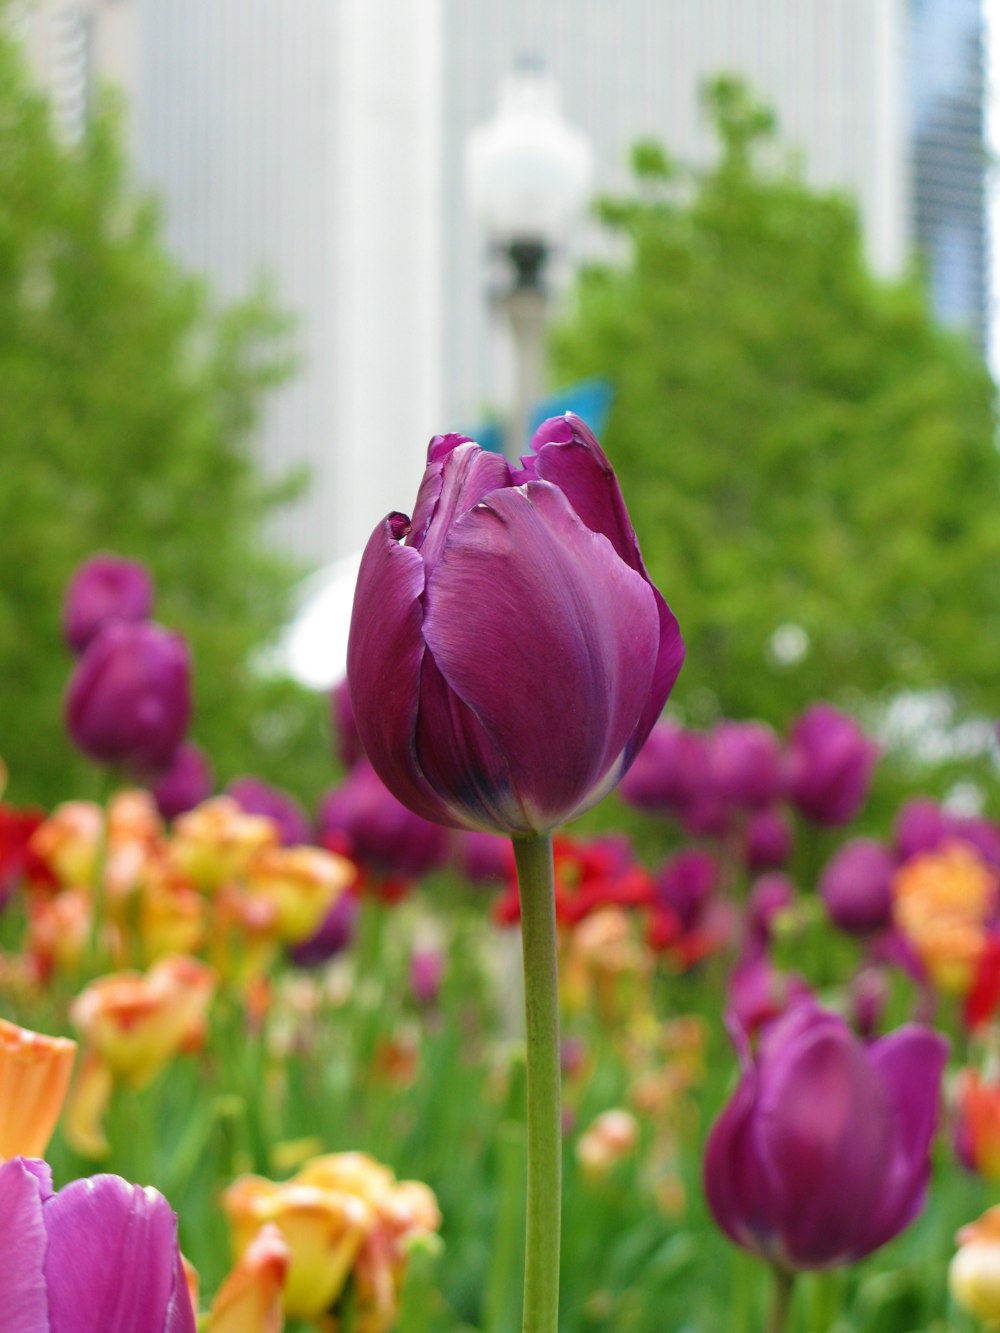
x=103, y=589
x=856, y=887
x=830, y=766
x=669, y=771
x=186, y=783
x=746, y=764
x=685, y=884
x=768, y=840
x=259, y=798
x=484, y=858
x=508, y=654
x=128, y=701
x=822, y=1155
x=100, y=1256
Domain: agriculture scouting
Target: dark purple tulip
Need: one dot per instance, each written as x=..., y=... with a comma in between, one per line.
x=684, y=885
x=867, y=999
x=128, y=701
x=100, y=1256
x=346, y=740
x=768, y=840
x=103, y=589
x=856, y=886
x=484, y=858
x=381, y=833
x=260, y=798
x=668, y=772
x=746, y=764
x=334, y=936
x=186, y=783
x=830, y=765
x=822, y=1155
x=508, y=654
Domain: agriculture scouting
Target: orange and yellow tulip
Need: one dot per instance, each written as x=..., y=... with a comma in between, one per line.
x=34, y=1077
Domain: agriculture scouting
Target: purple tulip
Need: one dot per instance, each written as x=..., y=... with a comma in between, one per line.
x=508, y=654
x=426, y=973
x=333, y=937
x=867, y=1000
x=758, y=993
x=746, y=764
x=769, y=896
x=768, y=840
x=920, y=827
x=381, y=833
x=830, y=765
x=347, y=742
x=186, y=783
x=856, y=887
x=100, y=1256
x=484, y=858
x=822, y=1155
x=128, y=701
x=103, y=589
x=668, y=772
x=685, y=884
x=260, y=798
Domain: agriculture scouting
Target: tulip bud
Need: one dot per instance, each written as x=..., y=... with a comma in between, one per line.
x=508, y=653
x=942, y=902
x=823, y=1153
x=426, y=971
x=249, y=1300
x=383, y=834
x=216, y=842
x=830, y=766
x=856, y=887
x=768, y=840
x=347, y=742
x=685, y=884
x=301, y=883
x=746, y=764
x=484, y=858
x=104, y=589
x=977, y=1124
x=128, y=701
x=185, y=783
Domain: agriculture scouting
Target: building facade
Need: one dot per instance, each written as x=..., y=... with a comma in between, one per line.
x=321, y=143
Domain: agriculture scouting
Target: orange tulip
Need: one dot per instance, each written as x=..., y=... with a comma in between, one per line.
x=941, y=902
x=137, y=1022
x=59, y=931
x=250, y=1299
x=974, y=1274
x=34, y=1077
x=68, y=842
x=978, y=1122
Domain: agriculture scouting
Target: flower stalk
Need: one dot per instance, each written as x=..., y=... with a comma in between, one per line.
x=538, y=937
x=781, y=1301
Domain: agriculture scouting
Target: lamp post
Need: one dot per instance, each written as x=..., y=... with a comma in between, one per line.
x=529, y=173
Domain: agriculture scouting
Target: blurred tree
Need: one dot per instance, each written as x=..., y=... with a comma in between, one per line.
x=126, y=409
x=809, y=460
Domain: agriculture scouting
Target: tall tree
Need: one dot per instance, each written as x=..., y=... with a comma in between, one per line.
x=126, y=410
x=809, y=458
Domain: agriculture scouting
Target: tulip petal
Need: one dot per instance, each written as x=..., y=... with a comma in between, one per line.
x=385, y=651
x=910, y=1062
x=537, y=625
x=113, y=1265
x=739, y=1193
x=823, y=1131
x=455, y=482
x=569, y=456
x=22, y=1243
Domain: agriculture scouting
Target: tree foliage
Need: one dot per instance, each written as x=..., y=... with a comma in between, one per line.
x=126, y=408
x=800, y=444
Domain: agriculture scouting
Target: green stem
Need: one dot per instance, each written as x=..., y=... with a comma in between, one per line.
x=781, y=1301
x=541, y=1000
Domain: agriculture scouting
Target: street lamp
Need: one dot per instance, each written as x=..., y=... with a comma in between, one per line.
x=529, y=174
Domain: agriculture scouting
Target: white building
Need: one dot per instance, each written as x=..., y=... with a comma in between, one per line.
x=321, y=141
